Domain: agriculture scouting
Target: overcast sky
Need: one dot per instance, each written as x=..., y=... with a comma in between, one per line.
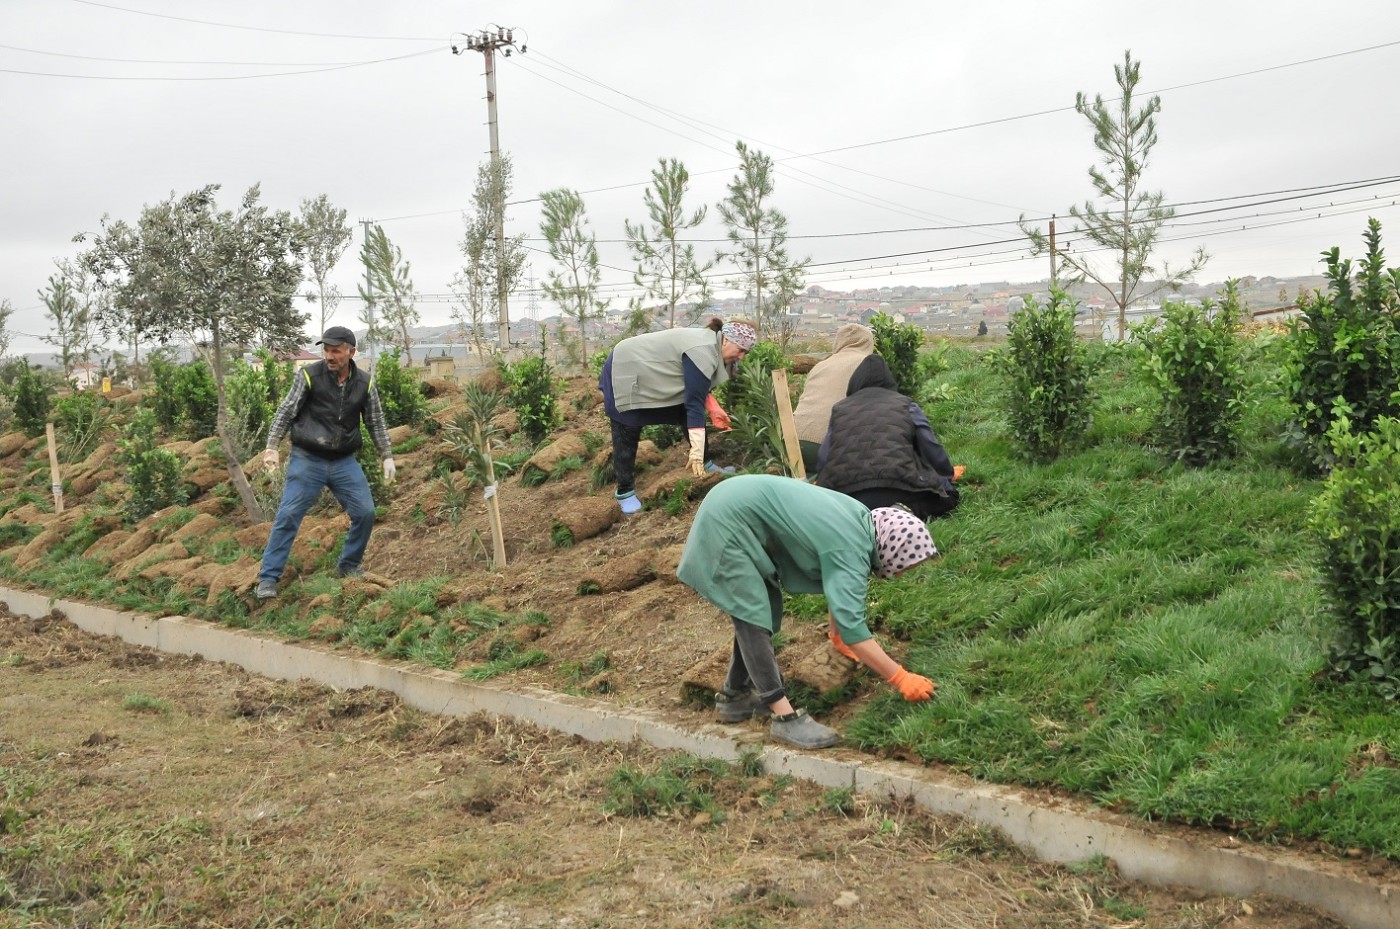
x=882, y=116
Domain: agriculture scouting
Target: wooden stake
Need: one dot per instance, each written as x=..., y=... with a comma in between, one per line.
x=53, y=472
x=493, y=506
x=794, y=449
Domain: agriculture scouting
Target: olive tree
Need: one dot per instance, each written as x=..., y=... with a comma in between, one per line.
x=219, y=280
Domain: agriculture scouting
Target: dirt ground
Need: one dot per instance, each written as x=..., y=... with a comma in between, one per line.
x=139, y=789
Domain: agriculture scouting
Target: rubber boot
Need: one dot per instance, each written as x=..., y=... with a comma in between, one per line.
x=735, y=708
x=630, y=503
x=802, y=731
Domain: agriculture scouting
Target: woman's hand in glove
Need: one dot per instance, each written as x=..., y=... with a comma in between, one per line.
x=718, y=418
x=914, y=687
x=697, y=452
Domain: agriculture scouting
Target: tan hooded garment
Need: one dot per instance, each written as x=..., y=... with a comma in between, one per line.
x=826, y=382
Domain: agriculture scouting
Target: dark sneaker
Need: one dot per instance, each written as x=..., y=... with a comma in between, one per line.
x=802, y=731
x=350, y=572
x=735, y=708
x=266, y=590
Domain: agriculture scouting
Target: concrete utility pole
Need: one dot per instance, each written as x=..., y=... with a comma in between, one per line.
x=487, y=42
x=1054, y=274
x=369, y=295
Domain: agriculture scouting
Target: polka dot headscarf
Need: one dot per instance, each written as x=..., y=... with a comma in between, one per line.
x=901, y=540
x=741, y=334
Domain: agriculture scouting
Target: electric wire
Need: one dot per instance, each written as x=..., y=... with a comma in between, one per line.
x=166, y=61
x=782, y=169
x=731, y=134
x=819, y=184
x=205, y=22
x=226, y=77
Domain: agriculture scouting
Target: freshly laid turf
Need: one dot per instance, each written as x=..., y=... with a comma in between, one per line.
x=1145, y=633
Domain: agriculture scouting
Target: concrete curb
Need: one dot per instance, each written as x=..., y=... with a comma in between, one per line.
x=1067, y=833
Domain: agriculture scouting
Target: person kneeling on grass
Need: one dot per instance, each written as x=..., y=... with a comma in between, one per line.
x=755, y=536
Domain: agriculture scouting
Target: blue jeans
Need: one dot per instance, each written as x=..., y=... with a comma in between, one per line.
x=306, y=475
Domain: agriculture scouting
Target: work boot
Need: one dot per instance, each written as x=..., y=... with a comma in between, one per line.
x=802, y=731
x=735, y=708
x=266, y=590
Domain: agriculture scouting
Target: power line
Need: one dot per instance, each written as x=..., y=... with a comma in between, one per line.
x=205, y=22
x=1007, y=119
x=699, y=122
x=1062, y=109
x=160, y=61
x=859, y=196
x=228, y=77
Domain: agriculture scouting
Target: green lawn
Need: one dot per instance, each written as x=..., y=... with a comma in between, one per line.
x=1151, y=635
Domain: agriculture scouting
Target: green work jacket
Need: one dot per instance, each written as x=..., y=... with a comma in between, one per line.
x=756, y=534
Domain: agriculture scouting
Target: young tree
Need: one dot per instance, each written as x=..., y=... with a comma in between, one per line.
x=61, y=307
x=1130, y=221
x=474, y=284
x=574, y=245
x=216, y=278
x=72, y=304
x=640, y=318
x=757, y=234
x=392, y=290
x=667, y=270
x=327, y=239
x=478, y=285
x=5, y=311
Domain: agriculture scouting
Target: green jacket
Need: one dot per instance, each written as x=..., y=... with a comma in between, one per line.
x=757, y=534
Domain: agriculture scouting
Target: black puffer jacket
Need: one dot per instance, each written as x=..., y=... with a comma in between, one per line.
x=873, y=441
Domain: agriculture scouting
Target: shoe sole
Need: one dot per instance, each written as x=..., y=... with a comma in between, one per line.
x=740, y=717
x=825, y=743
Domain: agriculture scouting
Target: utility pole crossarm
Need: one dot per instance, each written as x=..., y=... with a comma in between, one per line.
x=487, y=41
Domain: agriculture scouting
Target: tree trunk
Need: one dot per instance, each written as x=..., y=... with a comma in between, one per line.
x=235, y=467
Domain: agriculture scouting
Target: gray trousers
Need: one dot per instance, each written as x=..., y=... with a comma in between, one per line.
x=753, y=664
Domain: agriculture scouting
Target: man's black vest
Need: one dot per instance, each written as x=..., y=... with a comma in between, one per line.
x=872, y=446
x=328, y=424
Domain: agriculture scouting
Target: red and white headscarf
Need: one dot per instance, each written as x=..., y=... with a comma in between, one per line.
x=901, y=540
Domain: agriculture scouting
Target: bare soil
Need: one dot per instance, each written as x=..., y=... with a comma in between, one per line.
x=140, y=789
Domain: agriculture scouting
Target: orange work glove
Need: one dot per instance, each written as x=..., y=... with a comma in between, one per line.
x=914, y=687
x=718, y=418
x=958, y=472
x=841, y=647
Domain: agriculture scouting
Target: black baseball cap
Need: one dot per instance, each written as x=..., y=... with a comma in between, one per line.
x=337, y=335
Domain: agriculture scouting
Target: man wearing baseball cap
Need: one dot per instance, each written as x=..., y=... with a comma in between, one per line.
x=323, y=410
